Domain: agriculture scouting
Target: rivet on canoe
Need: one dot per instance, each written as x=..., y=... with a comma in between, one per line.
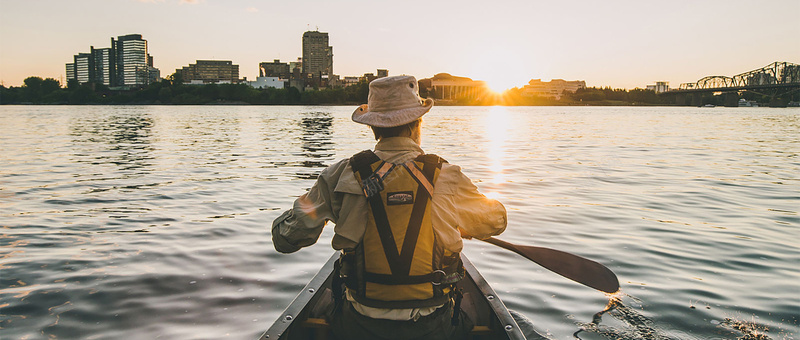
x=288, y=318
x=509, y=328
x=490, y=297
x=311, y=290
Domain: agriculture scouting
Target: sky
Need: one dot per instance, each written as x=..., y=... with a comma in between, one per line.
x=621, y=44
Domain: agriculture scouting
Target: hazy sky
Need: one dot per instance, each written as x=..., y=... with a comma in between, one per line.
x=623, y=44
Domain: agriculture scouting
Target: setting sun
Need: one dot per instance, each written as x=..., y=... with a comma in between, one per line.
x=499, y=83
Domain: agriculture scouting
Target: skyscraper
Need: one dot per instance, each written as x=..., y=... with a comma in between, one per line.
x=104, y=66
x=132, y=60
x=317, y=55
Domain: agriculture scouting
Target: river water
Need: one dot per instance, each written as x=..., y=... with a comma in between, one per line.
x=153, y=222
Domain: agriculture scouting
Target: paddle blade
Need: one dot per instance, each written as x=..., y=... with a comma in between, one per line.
x=571, y=266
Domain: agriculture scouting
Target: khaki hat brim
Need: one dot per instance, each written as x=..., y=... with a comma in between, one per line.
x=391, y=118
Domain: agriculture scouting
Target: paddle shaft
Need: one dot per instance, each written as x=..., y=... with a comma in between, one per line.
x=571, y=266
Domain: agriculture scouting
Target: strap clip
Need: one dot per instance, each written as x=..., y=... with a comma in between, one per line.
x=372, y=185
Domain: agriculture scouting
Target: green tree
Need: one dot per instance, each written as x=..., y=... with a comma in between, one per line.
x=165, y=95
x=32, y=89
x=84, y=94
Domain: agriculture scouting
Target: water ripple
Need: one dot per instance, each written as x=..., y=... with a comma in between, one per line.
x=153, y=222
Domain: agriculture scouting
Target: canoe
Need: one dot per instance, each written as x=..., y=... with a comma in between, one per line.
x=304, y=317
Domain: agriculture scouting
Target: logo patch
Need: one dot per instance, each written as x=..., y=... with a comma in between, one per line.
x=398, y=198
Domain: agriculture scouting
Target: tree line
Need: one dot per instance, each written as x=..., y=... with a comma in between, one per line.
x=172, y=91
x=36, y=90
x=586, y=96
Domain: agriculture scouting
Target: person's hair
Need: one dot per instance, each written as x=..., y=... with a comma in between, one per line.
x=396, y=131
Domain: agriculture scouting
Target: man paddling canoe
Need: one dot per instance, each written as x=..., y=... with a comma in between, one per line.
x=400, y=215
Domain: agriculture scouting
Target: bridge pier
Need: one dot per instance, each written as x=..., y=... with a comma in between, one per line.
x=680, y=99
x=697, y=99
x=731, y=99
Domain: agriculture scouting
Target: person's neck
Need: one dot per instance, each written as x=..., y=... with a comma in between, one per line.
x=416, y=139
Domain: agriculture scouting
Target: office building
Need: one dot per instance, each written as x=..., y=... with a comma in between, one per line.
x=132, y=60
x=83, y=64
x=104, y=65
x=317, y=54
x=551, y=89
x=210, y=72
x=274, y=69
x=70, y=71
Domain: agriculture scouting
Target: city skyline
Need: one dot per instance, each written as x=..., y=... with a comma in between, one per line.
x=622, y=44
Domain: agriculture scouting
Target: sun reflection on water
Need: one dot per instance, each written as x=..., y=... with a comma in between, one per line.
x=497, y=129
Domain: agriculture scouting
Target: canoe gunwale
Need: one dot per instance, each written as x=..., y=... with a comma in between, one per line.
x=490, y=296
x=301, y=300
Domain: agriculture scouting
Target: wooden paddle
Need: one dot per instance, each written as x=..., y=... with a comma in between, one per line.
x=573, y=267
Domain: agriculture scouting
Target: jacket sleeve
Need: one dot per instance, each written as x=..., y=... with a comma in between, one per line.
x=464, y=207
x=302, y=225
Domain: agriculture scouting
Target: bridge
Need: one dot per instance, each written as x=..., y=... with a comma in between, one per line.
x=774, y=80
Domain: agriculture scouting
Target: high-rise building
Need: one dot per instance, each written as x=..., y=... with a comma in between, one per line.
x=132, y=60
x=84, y=70
x=125, y=64
x=70, y=71
x=210, y=71
x=317, y=54
x=104, y=65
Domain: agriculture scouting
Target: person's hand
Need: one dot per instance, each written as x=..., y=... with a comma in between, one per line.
x=464, y=234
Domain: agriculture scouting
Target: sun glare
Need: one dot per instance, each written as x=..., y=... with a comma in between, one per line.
x=493, y=195
x=500, y=83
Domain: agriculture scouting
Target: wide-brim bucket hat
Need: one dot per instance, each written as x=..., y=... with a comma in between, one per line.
x=392, y=101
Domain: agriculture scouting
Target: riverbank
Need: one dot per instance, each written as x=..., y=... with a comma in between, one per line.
x=37, y=91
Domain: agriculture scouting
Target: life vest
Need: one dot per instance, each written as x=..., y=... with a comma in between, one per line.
x=399, y=262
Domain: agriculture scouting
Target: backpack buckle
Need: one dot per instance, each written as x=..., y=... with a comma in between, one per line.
x=372, y=185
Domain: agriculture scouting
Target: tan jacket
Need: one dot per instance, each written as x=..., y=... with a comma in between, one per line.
x=337, y=197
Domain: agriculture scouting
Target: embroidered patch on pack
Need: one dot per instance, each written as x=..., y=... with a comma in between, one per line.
x=402, y=197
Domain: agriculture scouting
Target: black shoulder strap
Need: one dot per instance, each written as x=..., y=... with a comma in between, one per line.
x=432, y=158
x=361, y=162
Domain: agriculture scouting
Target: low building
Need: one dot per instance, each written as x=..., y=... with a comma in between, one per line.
x=551, y=89
x=265, y=82
x=349, y=80
x=274, y=69
x=659, y=87
x=210, y=72
x=367, y=77
x=448, y=87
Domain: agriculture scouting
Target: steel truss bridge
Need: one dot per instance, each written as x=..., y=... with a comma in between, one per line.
x=776, y=79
